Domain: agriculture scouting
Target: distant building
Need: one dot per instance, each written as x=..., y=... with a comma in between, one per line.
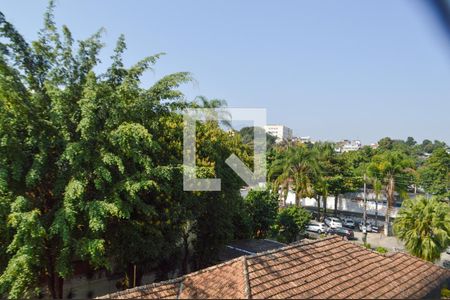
x=346, y=146
x=281, y=132
x=305, y=139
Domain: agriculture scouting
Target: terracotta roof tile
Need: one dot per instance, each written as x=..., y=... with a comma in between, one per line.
x=227, y=279
x=326, y=268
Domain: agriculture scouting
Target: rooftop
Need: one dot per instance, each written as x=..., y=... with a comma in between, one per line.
x=245, y=247
x=325, y=268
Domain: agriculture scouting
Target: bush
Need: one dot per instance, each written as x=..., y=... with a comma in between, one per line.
x=367, y=245
x=262, y=206
x=381, y=250
x=290, y=222
x=445, y=293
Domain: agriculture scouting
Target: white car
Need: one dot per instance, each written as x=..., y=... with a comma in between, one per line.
x=333, y=222
x=317, y=227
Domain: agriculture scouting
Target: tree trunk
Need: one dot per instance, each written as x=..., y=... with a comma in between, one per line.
x=298, y=198
x=336, y=199
x=185, y=254
x=51, y=284
x=55, y=282
x=318, y=207
x=376, y=210
x=390, y=202
x=59, y=287
x=283, y=197
x=324, y=197
x=55, y=285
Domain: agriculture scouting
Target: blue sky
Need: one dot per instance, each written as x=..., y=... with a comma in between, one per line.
x=328, y=69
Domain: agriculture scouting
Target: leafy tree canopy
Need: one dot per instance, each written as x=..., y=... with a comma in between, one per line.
x=424, y=225
x=290, y=222
x=262, y=206
x=91, y=164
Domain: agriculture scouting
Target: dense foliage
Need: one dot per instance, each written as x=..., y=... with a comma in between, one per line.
x=91, y=170
x=424, y=225
x=434, y=175
x=391, y=170
x=262, y=207
x=290, y=222
x=91, y=164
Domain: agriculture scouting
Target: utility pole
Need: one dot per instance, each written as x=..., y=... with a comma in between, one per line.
x=365, y=212
x=134, y=275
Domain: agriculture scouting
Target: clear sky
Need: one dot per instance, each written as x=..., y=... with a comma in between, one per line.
x=328, y=69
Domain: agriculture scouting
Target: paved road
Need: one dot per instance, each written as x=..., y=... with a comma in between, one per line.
x=391, y=243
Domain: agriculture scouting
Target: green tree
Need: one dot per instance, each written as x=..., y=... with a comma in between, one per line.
x=247, y=134
x=216, y=213
x=390, y=167
x=434, y=175
x=410, y=141
x=77, y=157
x=296, y=167
x=262, y=206
x=385, y=143
x=217, y=104
x=424, y=225
x=91, y=164
x=290, y=222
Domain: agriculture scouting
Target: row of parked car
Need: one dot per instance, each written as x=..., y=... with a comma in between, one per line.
x=344, y=227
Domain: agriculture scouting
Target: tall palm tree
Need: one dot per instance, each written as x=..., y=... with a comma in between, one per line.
x=377, y=188
x=390, y=168
x=295, y=167
x=424, y=225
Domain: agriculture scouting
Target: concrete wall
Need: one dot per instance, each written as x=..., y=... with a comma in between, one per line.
x=351, y=202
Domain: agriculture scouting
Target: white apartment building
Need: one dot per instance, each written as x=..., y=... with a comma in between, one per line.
x=281, y=132
x=351, y=146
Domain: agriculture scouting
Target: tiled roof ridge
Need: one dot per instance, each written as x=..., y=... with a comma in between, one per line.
x=178, y=280
x=208, y=269
x=143, y=287
x=243, y=267
x=294, y=245
x=247, y=288
x=180, y=289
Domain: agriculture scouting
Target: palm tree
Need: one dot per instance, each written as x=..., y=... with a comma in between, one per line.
x=328, y=169
x=377, y=187
x=424, y=225
x=389, y=167
x=216, y=104
x=296, y=166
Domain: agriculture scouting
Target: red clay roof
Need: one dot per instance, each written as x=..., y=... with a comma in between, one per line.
x=326, y=268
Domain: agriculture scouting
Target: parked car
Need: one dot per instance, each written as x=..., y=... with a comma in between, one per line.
x=370, y=227
x=333, y=222
x=345, y=232
x=375, y=229
x=363, y=228
x=317, y=227
x=349, y=223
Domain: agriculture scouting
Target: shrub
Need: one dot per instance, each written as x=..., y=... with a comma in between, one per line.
x=290, y=222
x=262, y=206
x=381, y=250
x=445, y=293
